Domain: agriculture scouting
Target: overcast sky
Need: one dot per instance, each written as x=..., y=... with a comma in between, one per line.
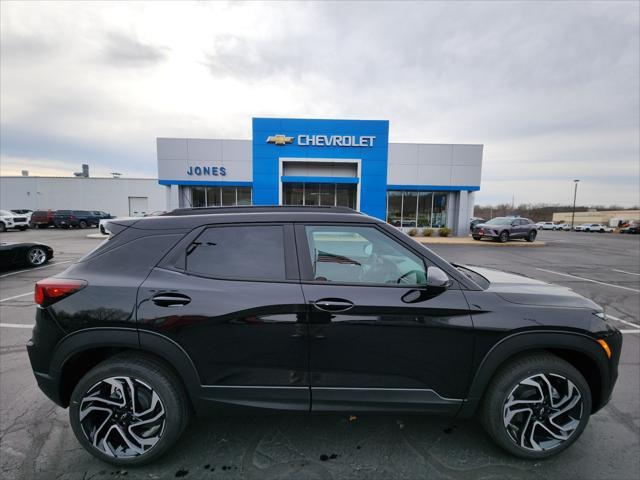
x=551, y=89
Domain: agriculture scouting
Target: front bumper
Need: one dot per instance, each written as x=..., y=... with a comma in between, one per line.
x=484, y=234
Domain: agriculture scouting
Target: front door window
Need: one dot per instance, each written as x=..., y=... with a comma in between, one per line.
x=361, y=255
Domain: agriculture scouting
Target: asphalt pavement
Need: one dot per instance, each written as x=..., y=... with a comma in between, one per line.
x=36, y=441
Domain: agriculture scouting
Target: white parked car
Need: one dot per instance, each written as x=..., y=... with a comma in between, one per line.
x=593, y=227
x=11, y=220
x=23, y=213
x=546, y=226
x=563, y=226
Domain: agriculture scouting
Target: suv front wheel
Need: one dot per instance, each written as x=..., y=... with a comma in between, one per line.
x=536, y=406
x=128, y=410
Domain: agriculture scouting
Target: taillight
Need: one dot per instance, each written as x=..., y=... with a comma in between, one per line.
x=50, y=290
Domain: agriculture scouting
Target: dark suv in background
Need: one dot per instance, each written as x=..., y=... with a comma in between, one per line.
x=308, y=310
x=42, y=219
x=503, y=229
x=75, y=218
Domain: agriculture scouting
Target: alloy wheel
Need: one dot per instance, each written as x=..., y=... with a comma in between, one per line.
x=542, y=412
x=36, y=256
x=122, y=417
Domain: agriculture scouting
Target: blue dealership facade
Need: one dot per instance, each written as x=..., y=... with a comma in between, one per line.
x=326, y=162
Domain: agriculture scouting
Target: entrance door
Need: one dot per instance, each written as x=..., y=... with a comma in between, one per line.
x=320, y=194
x=374, y=344
x=138, y=206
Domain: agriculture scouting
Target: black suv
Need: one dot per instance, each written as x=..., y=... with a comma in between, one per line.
x=308, y=310
x=75, y=218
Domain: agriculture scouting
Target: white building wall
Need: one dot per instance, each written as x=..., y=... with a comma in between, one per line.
x=443, y=165
x=61, y=193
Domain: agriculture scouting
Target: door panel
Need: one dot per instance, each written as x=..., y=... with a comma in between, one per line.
x=382, y=345
x=383, y=342
x=236, y=333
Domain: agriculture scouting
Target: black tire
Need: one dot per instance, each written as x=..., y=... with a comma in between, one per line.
x=504, y=384
x=532, y=236
x=476, y=238
x=145, y=371
x=503, y=237
x=3, y=227
x=22, y=229
x=102, y=230
x=82, y=224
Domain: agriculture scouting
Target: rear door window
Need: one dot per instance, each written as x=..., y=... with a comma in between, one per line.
x=247, y=252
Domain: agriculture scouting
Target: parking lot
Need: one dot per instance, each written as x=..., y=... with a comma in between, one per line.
x=36, y=440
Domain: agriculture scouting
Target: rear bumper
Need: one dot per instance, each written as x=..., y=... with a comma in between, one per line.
x=44, y=338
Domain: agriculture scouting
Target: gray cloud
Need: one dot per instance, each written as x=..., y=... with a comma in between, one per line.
x=124, y=51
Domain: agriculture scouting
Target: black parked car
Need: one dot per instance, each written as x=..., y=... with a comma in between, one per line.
x=75, y=218
x=30, y=254
x=308, y=310
x=503, y=229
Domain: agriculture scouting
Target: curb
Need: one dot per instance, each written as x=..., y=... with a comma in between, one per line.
x=471, y=241
x=97, y=236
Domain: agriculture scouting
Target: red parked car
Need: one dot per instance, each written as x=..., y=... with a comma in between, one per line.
x=42, y=218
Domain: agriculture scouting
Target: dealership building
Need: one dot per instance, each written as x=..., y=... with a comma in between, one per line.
x=326, y=162
x=287, y=162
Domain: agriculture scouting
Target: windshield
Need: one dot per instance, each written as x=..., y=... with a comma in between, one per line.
x=500, y=221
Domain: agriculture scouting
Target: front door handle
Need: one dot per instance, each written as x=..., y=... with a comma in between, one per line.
x=333, y=305
x=171, y=300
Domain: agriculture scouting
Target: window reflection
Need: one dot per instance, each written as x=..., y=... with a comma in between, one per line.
x=411, y=209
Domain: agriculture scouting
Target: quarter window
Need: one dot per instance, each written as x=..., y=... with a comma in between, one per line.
x=240, y=252
x=361, y=255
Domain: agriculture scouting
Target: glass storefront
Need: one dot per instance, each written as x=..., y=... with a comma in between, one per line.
x=416, y=209
x=323, y=194
x=220, y=196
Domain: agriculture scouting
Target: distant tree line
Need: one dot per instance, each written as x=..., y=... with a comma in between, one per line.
x=539, y=212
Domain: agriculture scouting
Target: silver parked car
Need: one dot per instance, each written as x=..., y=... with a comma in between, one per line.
x=503, y=229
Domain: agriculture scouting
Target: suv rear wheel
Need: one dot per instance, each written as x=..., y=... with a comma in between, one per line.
x=128, y=410
x=536, y=406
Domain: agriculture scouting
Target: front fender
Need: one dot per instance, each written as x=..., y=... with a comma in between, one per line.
x=522, y=342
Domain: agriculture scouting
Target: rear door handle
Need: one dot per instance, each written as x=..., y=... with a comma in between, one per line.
x=333, y=305
x=171, y=300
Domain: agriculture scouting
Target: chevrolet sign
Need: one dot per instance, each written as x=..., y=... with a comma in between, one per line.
x=336, y=140
x=325, y=140
x=279, y=139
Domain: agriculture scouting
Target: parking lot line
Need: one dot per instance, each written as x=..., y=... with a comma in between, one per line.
x=19, y=325
x=16, y=296
x=589, y=280
x=37, y=268
x=628, y=273
x=630, y=331
x=622, y=321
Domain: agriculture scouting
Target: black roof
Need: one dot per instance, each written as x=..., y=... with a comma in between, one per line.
x=256, y=209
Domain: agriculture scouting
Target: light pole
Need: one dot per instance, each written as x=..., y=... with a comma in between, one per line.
x=575, y=192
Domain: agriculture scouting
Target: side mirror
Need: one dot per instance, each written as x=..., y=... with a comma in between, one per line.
x=437, y=283
x=436, y=278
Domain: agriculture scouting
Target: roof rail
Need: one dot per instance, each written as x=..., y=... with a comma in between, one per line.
x=258, y=209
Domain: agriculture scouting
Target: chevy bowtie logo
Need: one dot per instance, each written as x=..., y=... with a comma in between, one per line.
x=279, y=139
